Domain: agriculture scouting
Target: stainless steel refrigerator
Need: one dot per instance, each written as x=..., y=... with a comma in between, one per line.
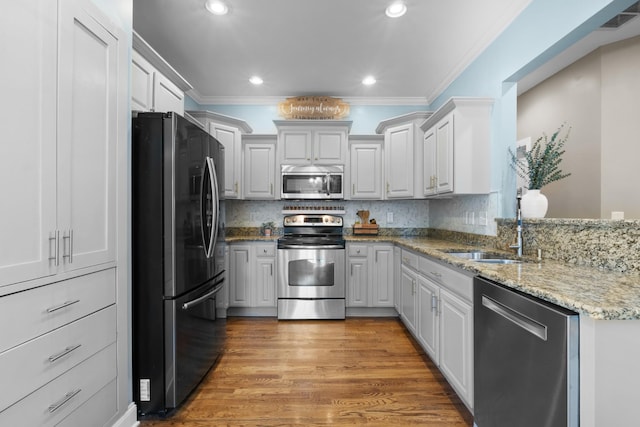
x=177, y=185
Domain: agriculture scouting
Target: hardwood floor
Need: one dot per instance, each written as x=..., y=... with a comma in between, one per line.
x=312, y=373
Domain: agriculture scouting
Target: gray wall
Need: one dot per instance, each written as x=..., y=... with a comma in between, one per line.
x=599, y=97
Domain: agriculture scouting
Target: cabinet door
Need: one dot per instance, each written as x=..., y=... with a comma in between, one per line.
x=456, y=344
x=295, y=147
x=87, y=141
x=239, y=276
x=408, y=283
x=141, y=83
x=28, y=149
x=265, y=282
x=444, y=150
x=398, y=153
x=366, y=171
x=166, y=95
x=429, y=162
x=329, y=147
x=357, y=282
x=259, y=171
x=229, y=137
x=382, y=280
x=428, y=326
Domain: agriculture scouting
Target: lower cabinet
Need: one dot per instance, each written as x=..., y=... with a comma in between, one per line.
x=437, y=307
x=252, y=275
x=370, y=275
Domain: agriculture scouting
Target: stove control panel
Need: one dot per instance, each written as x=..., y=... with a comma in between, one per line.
x=313, y=220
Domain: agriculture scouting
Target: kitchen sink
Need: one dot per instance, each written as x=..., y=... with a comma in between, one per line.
x=484, y=257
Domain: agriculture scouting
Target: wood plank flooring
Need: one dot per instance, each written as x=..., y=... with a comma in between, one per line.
x=316, y=373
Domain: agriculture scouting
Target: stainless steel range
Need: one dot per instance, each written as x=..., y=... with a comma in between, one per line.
x=311, y=268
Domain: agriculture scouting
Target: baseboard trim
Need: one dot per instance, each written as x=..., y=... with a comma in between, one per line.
x=129, y=418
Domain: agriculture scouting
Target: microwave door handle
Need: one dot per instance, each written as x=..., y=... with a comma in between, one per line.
x=328, y=186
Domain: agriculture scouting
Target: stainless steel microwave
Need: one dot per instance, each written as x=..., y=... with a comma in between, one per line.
x=312, y=182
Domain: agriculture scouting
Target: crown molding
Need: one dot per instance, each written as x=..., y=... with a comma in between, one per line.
x=274, y=100
x=416, y=116
x=154, y=58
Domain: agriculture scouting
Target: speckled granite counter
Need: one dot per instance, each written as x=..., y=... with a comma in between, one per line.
x=589, y=291
x=600, y=294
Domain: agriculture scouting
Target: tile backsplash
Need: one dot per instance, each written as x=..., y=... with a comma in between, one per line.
x=404, y=213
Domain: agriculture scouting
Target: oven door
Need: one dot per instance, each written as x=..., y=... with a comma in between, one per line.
x=311, y=273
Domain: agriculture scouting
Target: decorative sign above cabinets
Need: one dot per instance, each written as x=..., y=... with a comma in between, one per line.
x=313, y=107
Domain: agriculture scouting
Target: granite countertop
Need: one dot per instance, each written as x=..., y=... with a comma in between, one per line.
x=599, y=294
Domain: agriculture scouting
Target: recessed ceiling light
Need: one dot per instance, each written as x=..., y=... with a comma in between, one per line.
x=216, y=7
x=369, y=80
x=256, y=80
x=396, y=9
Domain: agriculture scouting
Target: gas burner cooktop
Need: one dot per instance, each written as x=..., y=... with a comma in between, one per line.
x=318, y=209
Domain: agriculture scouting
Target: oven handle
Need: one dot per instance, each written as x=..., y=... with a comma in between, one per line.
x=187, y=305
x=311, y=247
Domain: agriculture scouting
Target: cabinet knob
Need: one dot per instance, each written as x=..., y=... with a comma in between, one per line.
x=358, y=251
x=264, y=250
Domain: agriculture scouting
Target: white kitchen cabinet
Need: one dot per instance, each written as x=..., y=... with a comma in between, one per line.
x=229, y=132
x=365, y=158
x=438, y=157
x=370, y=275
x=260, y=180
x=408, y=284
x=403, y=145
x=445, y=330
x=59, y=172
x=155, y=85
x=457, y=148
x=252, y=275
x=305, y=142
x=358, y=279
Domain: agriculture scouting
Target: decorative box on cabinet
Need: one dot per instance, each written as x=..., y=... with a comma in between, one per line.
x=365, y=153
x=155, y=85
x=457, y=148
x=403, y=155
x=305, y=142
x=260, y=178
x=229, y=131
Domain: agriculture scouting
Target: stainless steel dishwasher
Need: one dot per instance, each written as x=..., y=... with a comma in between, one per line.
x=526, y=360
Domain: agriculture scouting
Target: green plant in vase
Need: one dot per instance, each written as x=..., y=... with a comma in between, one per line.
x=540, y=166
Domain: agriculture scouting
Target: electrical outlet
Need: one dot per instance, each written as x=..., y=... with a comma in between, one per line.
x=482, y=218
x=472, y=218
x=389, y=217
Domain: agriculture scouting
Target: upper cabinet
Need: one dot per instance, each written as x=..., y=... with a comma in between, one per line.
x=259, y=167
x=228, y=130
x=60, y=142
x=306, y=142
x=457, y=148
x=155, y=85
x=365, y=159
x=403, y=147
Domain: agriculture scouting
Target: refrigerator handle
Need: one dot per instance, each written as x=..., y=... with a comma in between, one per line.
x=208, y=177
x=216, y=211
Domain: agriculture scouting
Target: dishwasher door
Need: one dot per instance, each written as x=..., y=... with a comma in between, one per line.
x=526, y=360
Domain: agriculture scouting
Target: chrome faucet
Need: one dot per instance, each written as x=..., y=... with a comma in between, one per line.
x=518, y=244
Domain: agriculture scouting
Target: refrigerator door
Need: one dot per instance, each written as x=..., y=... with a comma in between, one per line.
x=187, y=265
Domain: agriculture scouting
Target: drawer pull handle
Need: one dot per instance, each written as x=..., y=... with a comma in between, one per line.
x=438, y=275
x=61, y=306
x=67, y=397
x=64, y=352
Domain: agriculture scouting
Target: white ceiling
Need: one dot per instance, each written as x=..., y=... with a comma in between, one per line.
x=321, y=47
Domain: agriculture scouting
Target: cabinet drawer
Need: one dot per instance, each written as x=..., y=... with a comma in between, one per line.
x=97, y=411
x=447, y=277
x=357, y=250
x=37, y=311
x=410, y=259
x=265, y=250
x=29, y=366
x=50, y=404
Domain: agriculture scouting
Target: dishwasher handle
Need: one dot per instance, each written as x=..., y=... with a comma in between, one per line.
x=517, y=318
